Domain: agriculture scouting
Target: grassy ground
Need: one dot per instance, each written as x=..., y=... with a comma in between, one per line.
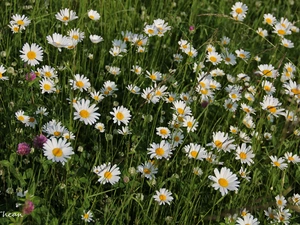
x=62, y=194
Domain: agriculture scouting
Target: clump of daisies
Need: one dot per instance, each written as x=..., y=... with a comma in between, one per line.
x=158, y=28
x=18, y=23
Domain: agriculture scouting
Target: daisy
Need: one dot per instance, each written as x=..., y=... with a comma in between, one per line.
x=283, y=216
x=292, y=158
x=31, y=122
x=244, y=174
x=113, y=70
x=95, y=38
x=66, y=15
x=54, y=129
x=15, y=28
x=292, y=89
x=176, y=138
x=280, y=201
x=271, y=104
x=31, y=54
x=191, y=123
x=97, y=96
x=278, y=162
x=239, y=11
x=21, y=21
x=93, y=15
x=86, y=112
x=127, y=36
x=109, y=87
x=57, y=150
x=163, y=132
x=195, y=151
x=268, y=87
x=109, y=174
x=47, y=86
x=76, y=35
x=150, y=30
x=80, y=82
x=228, y=58
x=225, y=40
x=281, y=31
x=170, y=97
x=161, y=150
x=149, y=95
x=234, y=130
x=192, y=52
x=59, y=41
x=245, y=154
x=296, y=199
x=197, y=171
x=124, y=131
x=183, y=44
x=267, y=70
x=242, y=54
x=290, y=116
x=48, y=72
x=248, y=121
x=68, y=135
x=147, y=170
x=161, y=26
x=213, y=57
x=262, y=32
x=154, y=75
x=133, y=89
x=87, y=216
x=2, y=71
x=230, y=105
x=210, y=48
x=177, y=57
x=248, y=109
x=269, y=19
x=224, y=181
x=270, y=213
x=249, y=96
x=42, y=111
x=221, y=141
x=100, y=127
x=136, y=69
x=121, y=115
x=197, y=67
x=287, y=43
x=247, y=220
x=163, y=196
x=181, y=108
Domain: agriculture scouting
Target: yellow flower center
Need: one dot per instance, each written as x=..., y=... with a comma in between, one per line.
x=65, y=18
x=267, y=88
x=180, y=110
x=150, y=31
x=241, y=55
x=16, y=29
x=48, y=74
x=86, y=216
x=152, y=77
x=120, y=116
x=91, y=17
x=21, y=118
x=267, y=72
x=290, y=158
x=243, y=155
x=84, y=113
x=277, y=164
x=296, y=91
x=57, y=152
x=79, y=84
x=194, y=154
x=204, y=91
x=75, y=36
x=56, y=133
x=229, y=105
x=20, y=22
x=189, y=124
x=159, y=151
x=47, y=87
x=272, y=109
x=146, y=171
x=162, y=197
x=171, y=99
x=218, y=144
x=234, y=96
x=281, y=32
x=213, y=59
x=269, y=20
x=239, y=10
x=279, y=202
x=176, y=138
x=223, y=182
x=108, y=175
x=163, y=132
x=31, y=55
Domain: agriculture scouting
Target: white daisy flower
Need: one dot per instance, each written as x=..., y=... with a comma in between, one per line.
x=163, y=196
x=86, y=112
x=31, y=54
x=93, y=15
x=109, y=174
x=66, y=15
x=121, y=115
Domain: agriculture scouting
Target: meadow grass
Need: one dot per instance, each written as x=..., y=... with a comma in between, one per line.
x=80, y=185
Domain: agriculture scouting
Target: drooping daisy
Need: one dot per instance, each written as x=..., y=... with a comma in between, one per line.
x=31, y=54
x=197, y=171
x=109, y=174
x=290, y=157
x=161, y=150
x=58, y=150
x=248, y=121
x=95, y=38
x=242, y=54
x=163, y=196
x=93, y=15
x=124, y=130
x=136, y=69
x=80, y=82
x=287, y=43
x=262, y=32
x=245, y=154
x=278, y=162
x=147, y=170
x=66, y=15
x=87, y=216
x=222, y=141
x=86, y=112
x=133, y=89
x=121, y=115
x=100, y=126
x=113, y=70
x=296, y=199
x=59, y=41
x=224, y=181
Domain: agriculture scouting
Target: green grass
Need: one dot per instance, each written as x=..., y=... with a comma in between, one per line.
x=61, y=193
